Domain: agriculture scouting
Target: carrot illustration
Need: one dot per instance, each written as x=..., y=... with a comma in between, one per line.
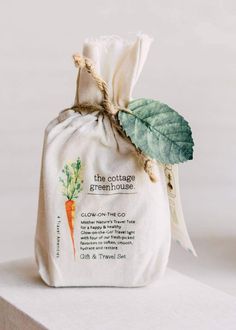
x=72, y=186
x=70, y=212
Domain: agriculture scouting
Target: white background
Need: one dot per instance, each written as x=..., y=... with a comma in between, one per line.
x=191, y=67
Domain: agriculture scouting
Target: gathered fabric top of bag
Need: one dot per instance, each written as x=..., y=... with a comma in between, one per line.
x=118, y=62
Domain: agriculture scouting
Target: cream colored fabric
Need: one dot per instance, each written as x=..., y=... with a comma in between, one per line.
x=133, y=225
x=119, y=62
x=179, y=232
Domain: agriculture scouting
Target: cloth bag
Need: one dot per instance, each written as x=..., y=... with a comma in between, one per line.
x=101, y=221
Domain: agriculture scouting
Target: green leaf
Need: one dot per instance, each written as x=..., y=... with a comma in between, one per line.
x=158, y=131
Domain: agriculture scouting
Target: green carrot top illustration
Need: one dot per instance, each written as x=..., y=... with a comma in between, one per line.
x=72, y=181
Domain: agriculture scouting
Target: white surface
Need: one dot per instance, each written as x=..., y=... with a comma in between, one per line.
x=176, y=302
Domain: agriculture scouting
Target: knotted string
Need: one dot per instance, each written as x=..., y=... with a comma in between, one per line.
x=110, y=109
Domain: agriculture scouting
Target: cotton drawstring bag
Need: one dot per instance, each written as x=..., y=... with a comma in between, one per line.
x=109, y=197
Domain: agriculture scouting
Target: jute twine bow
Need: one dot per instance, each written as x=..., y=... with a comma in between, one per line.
x=110, y=109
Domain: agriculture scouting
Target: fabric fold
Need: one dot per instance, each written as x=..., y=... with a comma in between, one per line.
x=118, y=62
